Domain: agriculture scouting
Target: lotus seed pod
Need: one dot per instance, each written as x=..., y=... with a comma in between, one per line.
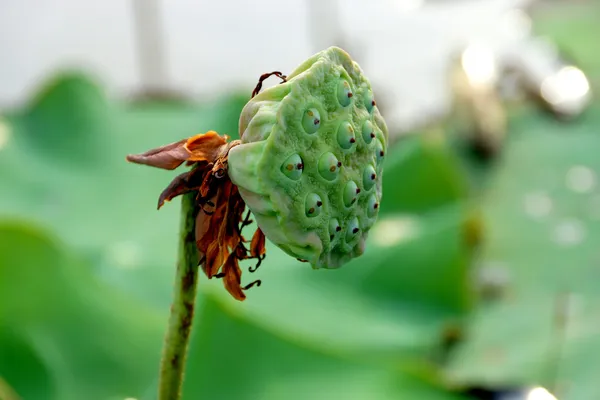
x=311, y=159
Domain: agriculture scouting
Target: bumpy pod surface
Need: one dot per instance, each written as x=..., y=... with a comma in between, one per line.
x=310, y=163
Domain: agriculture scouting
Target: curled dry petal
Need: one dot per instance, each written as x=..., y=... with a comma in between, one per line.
x=232, y=277
x=183, y=183
x=168, y=157
x=203, y=222
x=257, y=245
x=205, y=146
x=214, y=259
x=202, y=147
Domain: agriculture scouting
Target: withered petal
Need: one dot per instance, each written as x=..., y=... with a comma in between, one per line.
x=208, y=185
x=233, y=277
x=208, y=232
x=214, y=259
x=181, y=184
x=205, y=146
x=257, y=246
x=204, y=228
x=167, y=157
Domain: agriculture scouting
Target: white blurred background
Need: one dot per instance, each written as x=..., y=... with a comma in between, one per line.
x=203, y=47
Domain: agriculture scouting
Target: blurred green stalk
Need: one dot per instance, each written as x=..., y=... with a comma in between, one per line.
x=175, y=346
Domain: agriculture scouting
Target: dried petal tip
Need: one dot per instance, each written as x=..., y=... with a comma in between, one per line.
x=167, y=157
x=257, y=246
x=233, y=277
x=202, y=147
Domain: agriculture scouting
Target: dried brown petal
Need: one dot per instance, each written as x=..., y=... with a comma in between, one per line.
x=205, y=146
x=214, y=259
x=203, y=223
x=183, y=183
x=257, y=245
x=208, y=185
x=232, y=277
x=168, y=157
x=209, y=233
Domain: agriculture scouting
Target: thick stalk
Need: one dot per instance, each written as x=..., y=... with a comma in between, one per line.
x=182, y=310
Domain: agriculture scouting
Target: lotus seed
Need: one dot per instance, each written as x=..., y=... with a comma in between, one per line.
x=379, y=152
x=369, y=177
x=292, y=167
x=352, y=230
x=334, y=228
x=311, y=120
x=313, y=205
x=345, y=135
x=329, y=166
x=369, y=100
x=367, y=132
x=372, y=206
x=344, y=93
x=351, y=192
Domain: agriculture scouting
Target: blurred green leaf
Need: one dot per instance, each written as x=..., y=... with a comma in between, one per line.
x=68, y=122
x=79, y=338
x=421, y=174
x=542, y=210
x=21, y=366
x=400, y=263
x=233, y=357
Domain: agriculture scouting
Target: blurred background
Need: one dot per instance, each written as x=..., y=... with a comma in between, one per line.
x=479, y=280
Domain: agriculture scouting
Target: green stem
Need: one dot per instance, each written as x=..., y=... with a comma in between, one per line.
x=172, y=365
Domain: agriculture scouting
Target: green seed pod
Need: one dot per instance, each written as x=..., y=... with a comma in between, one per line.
x=311, y=159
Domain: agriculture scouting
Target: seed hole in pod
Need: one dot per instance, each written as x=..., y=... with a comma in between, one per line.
x=352, y=230
x=313, y=205
x=329, y=166
x=334, y=228
x=351, y=192
x=344, y=93
x=369, y=100
x=367, y=132
x=311, y=121
x=369, y=177
x=345, y=135
x=379, y=152
x=292, y=167
x=372, y=206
